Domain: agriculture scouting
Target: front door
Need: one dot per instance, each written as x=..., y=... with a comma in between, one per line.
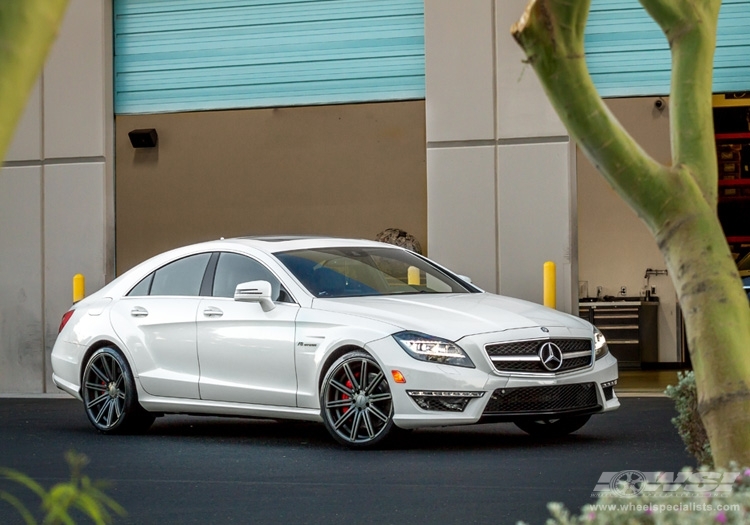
x=247, y=355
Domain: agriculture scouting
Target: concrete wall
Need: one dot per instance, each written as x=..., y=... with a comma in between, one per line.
x=615, y=247
x=56, y=217
x=500, y=166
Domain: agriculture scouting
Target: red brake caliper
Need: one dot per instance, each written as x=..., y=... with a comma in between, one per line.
x=348, y=385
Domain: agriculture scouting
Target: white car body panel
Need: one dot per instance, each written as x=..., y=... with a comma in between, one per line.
x=319, y=334
x=160, y=333
x=261, y=373
x=453, y=315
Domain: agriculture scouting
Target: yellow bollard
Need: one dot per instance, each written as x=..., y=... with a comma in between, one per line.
x=550, y=285
x=412, y=276
x=79, y=287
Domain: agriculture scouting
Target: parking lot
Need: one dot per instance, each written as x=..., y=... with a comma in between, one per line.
x=213, y=470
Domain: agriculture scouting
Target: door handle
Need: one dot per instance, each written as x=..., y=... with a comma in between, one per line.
x=212, y=311
x=138, y=311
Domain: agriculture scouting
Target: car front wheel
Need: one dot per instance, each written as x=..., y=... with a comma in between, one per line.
x=552, y=427
x=109, y=394
x=356, y=401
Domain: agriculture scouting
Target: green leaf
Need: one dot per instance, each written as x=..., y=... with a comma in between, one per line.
x=24, y=480
x=27, y=30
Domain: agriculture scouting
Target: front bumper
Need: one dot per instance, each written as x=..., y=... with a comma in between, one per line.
x=432, y=393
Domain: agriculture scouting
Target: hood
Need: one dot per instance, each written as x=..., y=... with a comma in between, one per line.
x=452, y=316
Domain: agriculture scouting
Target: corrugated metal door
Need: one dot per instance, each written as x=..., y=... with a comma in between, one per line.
x=628, y=55
x=182, y=55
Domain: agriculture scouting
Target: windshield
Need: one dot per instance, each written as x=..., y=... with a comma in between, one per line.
x=349, y=272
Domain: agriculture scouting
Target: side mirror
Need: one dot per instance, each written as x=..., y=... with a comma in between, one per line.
x=464, y=278
x=255, y=292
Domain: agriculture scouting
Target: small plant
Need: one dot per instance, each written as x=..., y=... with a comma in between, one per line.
x=688, y=421
x=79, y=493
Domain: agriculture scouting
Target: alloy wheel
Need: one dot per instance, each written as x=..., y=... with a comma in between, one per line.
x=104, y=391
x=357, y=401
x=109, y=394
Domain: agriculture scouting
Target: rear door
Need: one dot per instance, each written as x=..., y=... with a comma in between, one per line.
x=157, y=323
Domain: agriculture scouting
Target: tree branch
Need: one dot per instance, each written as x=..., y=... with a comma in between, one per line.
x=690, y=28
x=551, y=32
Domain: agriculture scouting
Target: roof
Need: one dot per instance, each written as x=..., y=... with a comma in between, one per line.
x=283, y=243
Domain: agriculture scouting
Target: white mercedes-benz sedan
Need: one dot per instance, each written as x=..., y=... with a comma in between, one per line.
x=366, y=337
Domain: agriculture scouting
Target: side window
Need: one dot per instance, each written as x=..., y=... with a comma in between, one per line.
x=233, y=269
x=143, y=287
x=182, y=277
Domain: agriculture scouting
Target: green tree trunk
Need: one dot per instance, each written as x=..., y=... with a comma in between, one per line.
x=27, y=30
x=677, y=203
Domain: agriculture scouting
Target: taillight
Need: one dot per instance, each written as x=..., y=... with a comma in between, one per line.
x=65, y=318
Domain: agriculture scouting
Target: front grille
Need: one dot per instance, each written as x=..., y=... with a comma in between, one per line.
x=556, y=398
x=523, y=356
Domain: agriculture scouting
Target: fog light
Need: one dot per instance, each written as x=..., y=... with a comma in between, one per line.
x=608, y=389
x=446, y=401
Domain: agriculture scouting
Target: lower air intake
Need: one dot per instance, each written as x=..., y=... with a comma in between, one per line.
x=542, y=399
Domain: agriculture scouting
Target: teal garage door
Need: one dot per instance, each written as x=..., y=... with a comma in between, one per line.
x=186, y=55
x=628, y=55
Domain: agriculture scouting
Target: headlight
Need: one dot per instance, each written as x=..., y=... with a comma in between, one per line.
x=600, y=344
x=432, y=349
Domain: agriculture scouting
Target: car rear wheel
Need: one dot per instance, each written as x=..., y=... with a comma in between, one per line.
x=552, y=427
x=109, y=395
x=356, y=401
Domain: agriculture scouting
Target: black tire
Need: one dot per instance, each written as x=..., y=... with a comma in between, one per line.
x=110, y=398
x=356, y=401
x=552, y=427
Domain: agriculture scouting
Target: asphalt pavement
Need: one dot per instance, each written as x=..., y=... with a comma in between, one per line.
x=206, y=470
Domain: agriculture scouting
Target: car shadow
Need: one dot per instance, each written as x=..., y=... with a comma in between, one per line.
x=310, y=434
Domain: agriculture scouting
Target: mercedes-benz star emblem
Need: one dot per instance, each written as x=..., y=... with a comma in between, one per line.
x=551, y=356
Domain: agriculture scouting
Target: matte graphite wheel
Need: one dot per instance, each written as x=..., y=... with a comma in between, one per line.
x=109, y=395
x=356, y=401
x=552, y=427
